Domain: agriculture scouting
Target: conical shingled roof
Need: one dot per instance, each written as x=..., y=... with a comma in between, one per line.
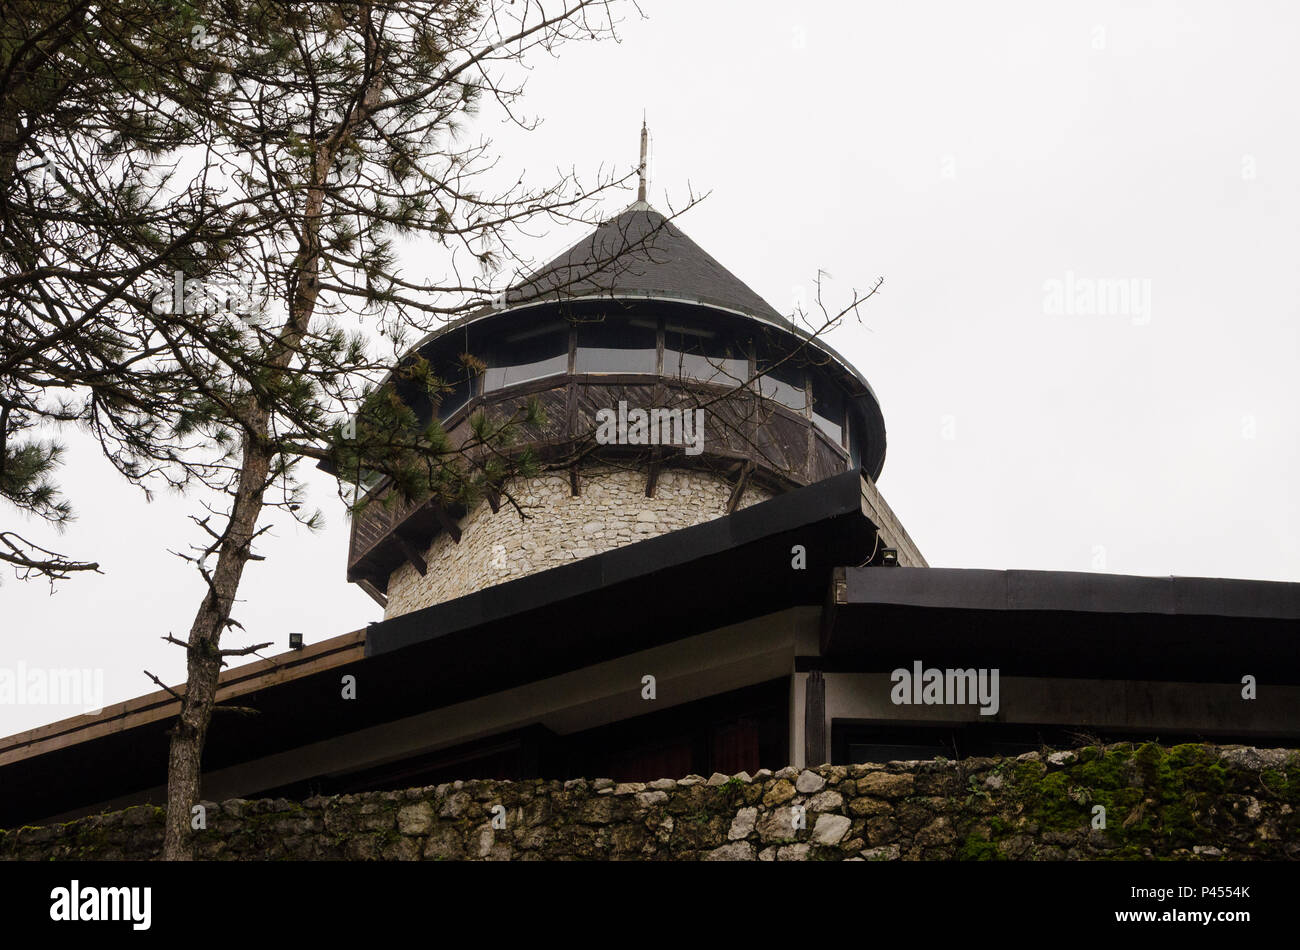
x=640, y=253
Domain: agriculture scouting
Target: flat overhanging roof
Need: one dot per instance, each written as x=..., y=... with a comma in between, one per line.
x=1059, y=623
x=1074, y=591
x=725, y=571
x=608, y=605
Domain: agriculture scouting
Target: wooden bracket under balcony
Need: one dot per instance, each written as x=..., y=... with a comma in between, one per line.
x=377, y=595
x=652, y=473
x=447, y=522
x=411, y=554
x=742, y=482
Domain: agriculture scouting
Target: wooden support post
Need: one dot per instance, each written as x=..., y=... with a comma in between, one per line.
x=814, y=720
x=571, y=411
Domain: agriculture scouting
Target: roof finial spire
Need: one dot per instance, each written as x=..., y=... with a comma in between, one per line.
x=645, y=138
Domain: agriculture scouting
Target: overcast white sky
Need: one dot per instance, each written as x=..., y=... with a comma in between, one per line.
x=969, y=154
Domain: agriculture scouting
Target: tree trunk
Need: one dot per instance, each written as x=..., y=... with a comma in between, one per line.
x=203, y=651
x=203, y=659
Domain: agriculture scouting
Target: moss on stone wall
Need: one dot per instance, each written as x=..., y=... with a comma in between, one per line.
x=1192, y=801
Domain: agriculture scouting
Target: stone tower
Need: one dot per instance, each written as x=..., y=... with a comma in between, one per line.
x=633, y=319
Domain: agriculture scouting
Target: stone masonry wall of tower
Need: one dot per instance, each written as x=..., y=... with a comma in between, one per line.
x=611, y=511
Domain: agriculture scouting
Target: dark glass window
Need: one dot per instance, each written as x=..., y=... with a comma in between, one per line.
x=735, y=745
x=704, y=355
x=784, y=383
x=857, y=742
x=742, y=730
x=891, y=752
x=616, y=346
x=543, y=351
x=855, y=444
x=828, y=407
x=461, y=381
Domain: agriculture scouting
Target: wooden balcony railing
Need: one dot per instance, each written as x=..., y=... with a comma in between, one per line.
x=769, y=444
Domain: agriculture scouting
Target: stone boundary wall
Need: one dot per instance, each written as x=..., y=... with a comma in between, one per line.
x=1191, y=801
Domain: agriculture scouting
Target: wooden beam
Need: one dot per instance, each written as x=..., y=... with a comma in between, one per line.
x=445, y=520
x=412, y=555
x=571, y=411
x=742, y=483
x=575, y=486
